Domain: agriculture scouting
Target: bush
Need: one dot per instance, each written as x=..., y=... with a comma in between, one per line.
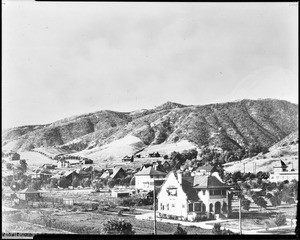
x=217, y=230
x=118, y=227
x=180, y=231
x=246, y=204
x=280, y=220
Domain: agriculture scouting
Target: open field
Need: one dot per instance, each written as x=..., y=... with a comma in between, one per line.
x=91, y=223
x=288, y=230
x=26, y=227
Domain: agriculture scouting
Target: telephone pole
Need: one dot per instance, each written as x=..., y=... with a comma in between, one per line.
x=240, y=214
x=154, y=206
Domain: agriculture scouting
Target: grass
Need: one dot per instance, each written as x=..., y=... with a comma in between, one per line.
x=92, y=222
x=290, y=230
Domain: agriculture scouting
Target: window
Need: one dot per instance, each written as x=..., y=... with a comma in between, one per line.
x=217, y=192
x=224, y=192
x=183, y=205
x=172, y=192
x=203, y=192
x=173, y=205
x=191, y=207
x=197, y=207
x=168, y=206
x=211, y=192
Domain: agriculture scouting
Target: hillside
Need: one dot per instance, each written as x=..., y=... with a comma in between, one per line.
x=285, y=150
x=98, y=135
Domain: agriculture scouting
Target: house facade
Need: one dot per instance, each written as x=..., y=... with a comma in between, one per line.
x=144, y=179
x=192, y=197
x=281, y=173
x=63, y=163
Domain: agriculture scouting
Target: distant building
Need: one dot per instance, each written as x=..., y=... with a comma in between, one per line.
x=281, y=173
x=114, y=173
x=156, y=165
x=62, y=163
x=154, y=154
x=144, y=179
x=128, y=159
x=121, y=193
x=204, y=170
x=14, y=156
x=189, y=197
x=28, y=194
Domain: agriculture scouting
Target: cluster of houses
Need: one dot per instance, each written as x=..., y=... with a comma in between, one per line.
x=281, y=173
x=186, y=194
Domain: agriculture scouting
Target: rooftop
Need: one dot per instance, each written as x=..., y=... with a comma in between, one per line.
x=150, y=171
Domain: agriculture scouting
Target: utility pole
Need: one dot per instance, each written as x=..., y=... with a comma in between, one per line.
x=239, y=195
x=154, y=206
x=240, y=214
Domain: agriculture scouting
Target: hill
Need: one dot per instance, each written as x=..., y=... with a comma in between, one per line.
x=98, y=135
x=285, y=150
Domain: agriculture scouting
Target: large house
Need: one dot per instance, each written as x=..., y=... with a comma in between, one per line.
x=281, y=173
x=144, y=179
x=190, y=197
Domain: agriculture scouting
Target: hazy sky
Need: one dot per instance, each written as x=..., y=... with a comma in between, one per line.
x=63, y=59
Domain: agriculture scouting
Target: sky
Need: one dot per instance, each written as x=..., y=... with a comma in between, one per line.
x=61, y=59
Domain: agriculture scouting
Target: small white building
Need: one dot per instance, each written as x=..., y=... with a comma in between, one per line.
x=63, y=163
x=189, y=197
x=281, y=173
x=144, y=179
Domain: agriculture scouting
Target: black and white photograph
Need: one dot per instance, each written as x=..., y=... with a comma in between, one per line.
x=149, y=118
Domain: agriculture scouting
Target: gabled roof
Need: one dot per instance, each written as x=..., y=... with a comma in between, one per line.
x=116, y=171
x=69, y=173
x=150, y=171
x=206, y=167
x=207, y=181
x=187, y=187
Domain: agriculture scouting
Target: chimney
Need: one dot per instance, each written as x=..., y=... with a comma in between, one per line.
x=179, y=177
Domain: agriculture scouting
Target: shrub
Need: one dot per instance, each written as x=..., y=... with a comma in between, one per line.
x=217, y=230
x=280, y=220
x=118, y=227
x=246, y=204
x=180, y=231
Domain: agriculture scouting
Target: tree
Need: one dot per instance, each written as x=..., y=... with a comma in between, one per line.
x=64, y=182
x=261, y=202
x=275, y=201
x=246, y=204
x=53, y=183
x=97, y=185
x=9, y=166
x=76, y=182
x=236, y=176
x=36, y=184
x=118, y=227
x=86, y=182
x=217, y=230
x=280, y=220
x=111, y=183
x=24, y=165
x=180, y=231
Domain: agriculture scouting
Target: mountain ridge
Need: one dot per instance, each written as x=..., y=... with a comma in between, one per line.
x=227, y=125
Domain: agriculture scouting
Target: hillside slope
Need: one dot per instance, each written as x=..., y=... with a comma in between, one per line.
x=226, y=125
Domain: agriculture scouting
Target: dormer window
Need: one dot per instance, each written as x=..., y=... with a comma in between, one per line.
x=172, y=191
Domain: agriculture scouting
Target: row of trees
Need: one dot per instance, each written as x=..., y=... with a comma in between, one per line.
x=219, y=156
